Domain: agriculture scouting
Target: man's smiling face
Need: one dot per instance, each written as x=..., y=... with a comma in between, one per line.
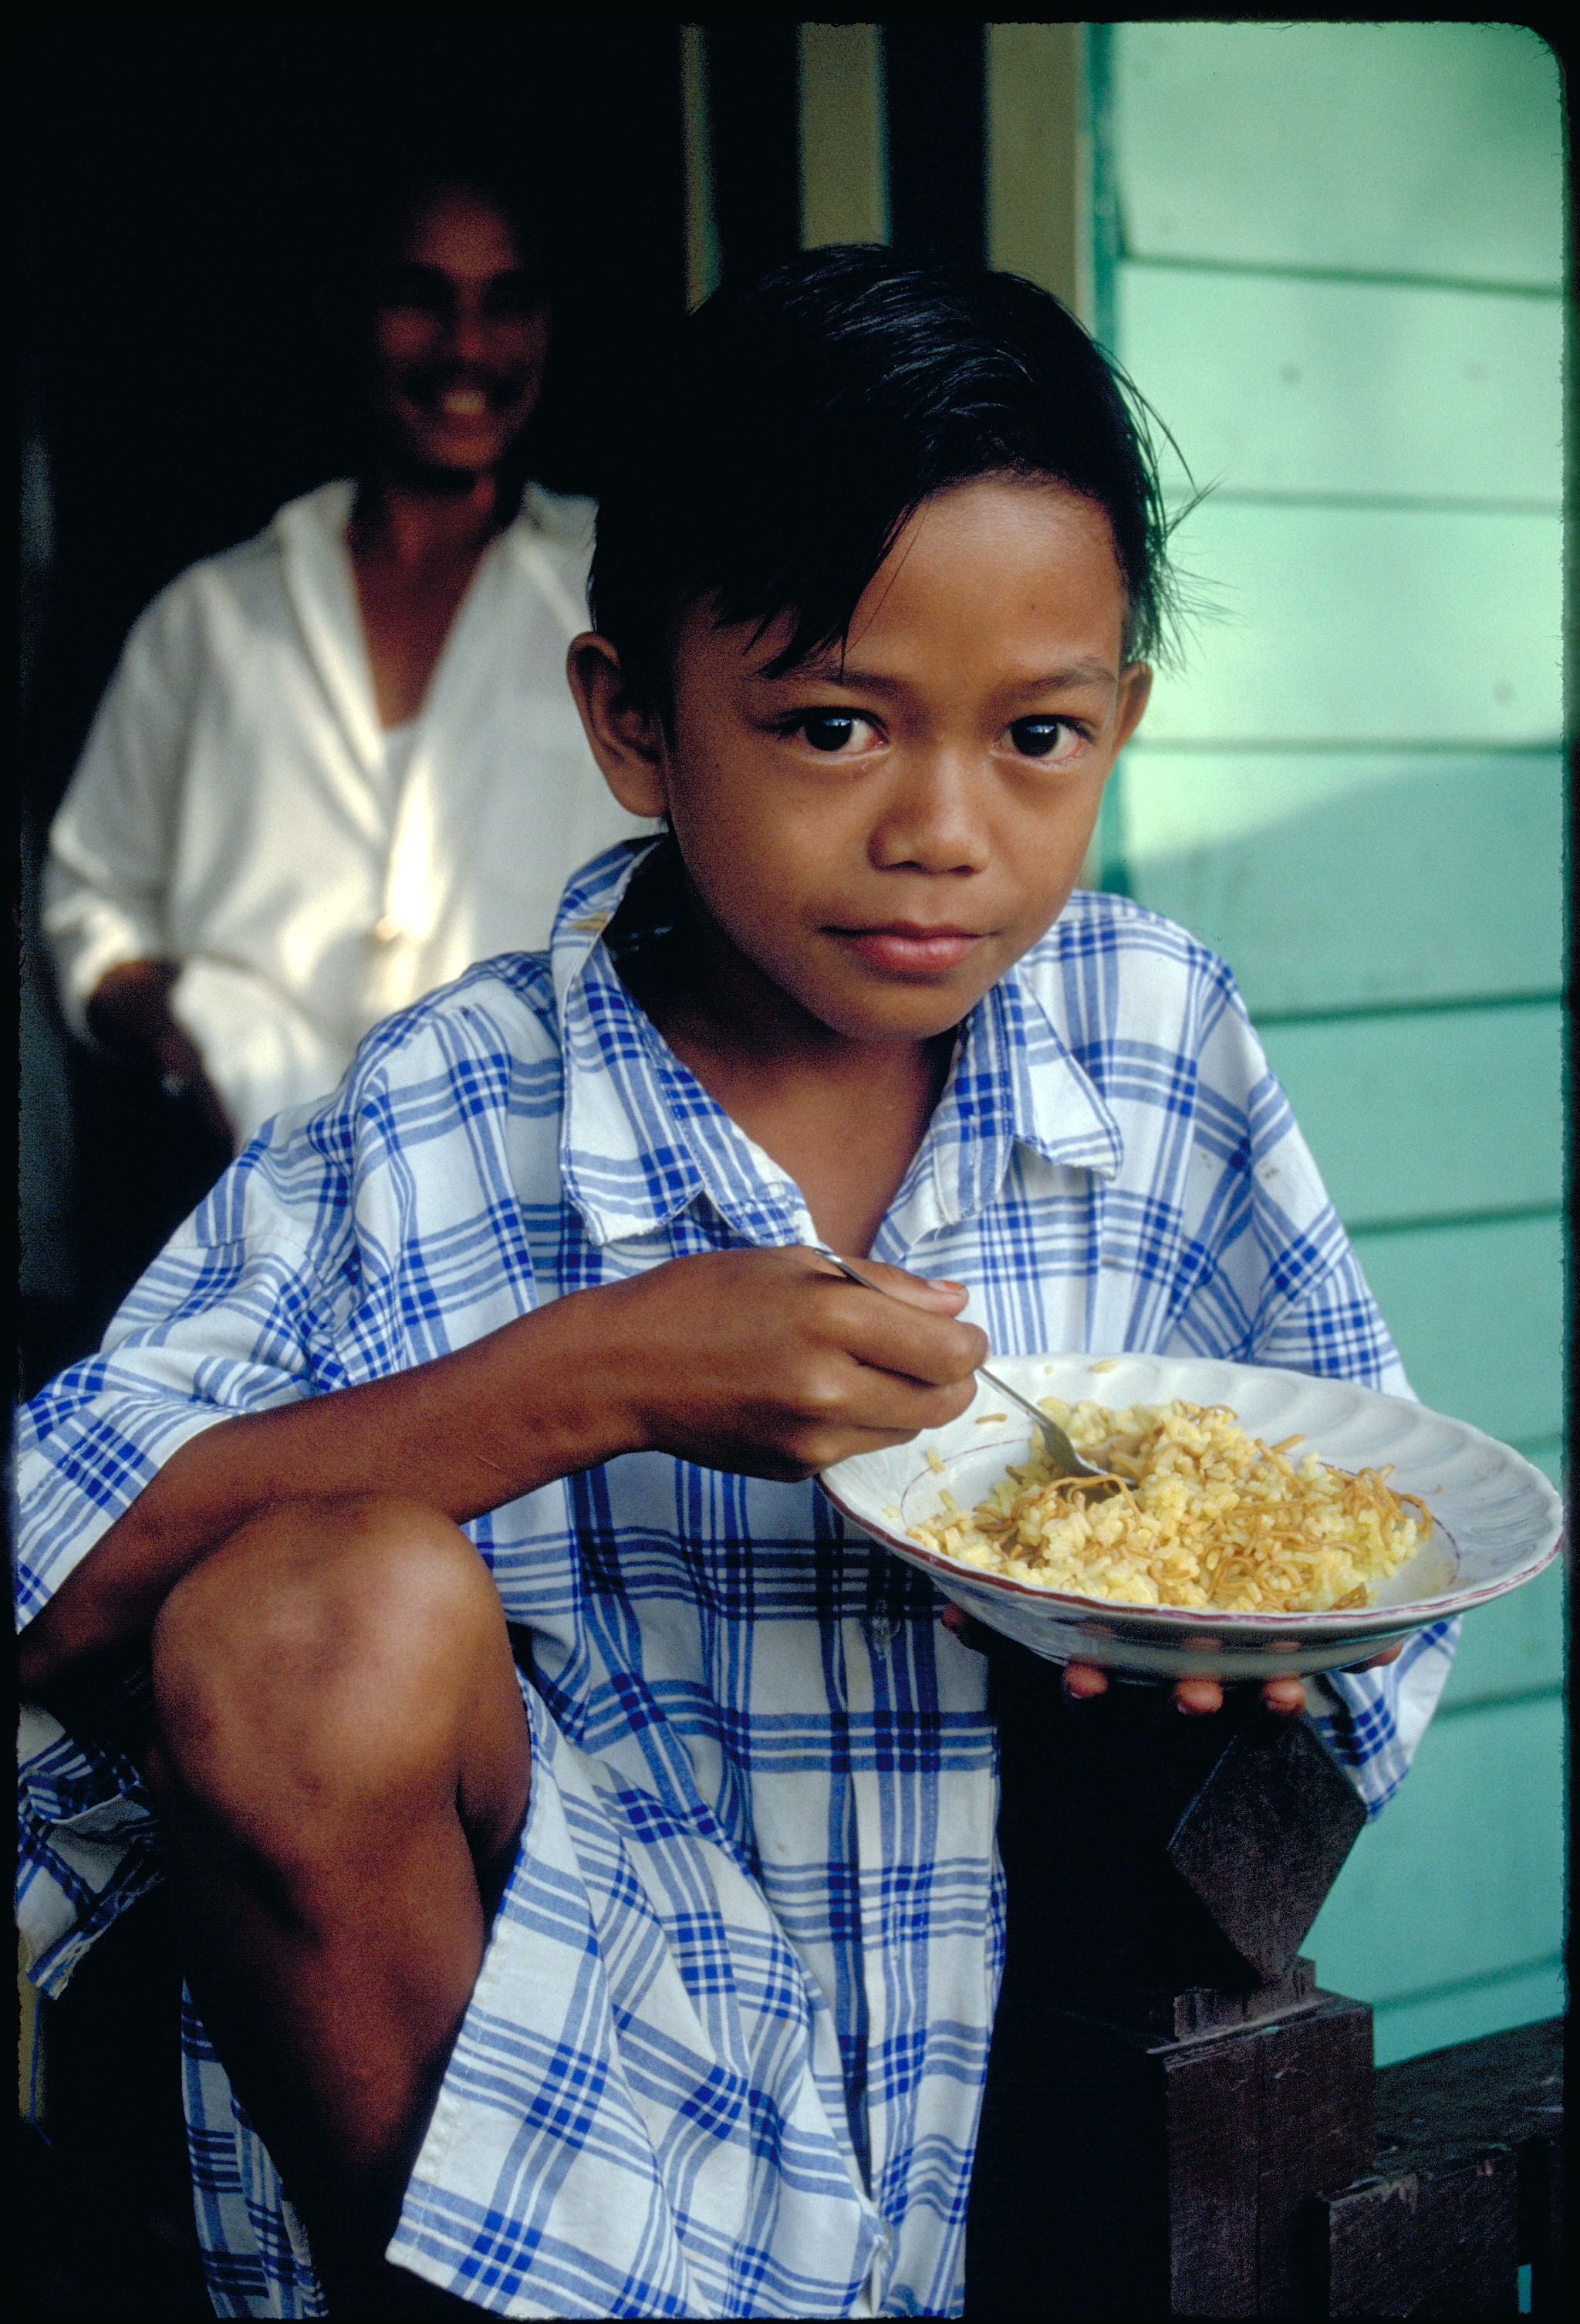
x=458, y=336
x=881, y=836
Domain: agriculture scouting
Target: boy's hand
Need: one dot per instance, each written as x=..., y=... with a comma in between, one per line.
x=766, y=1361
x=1194, y=1698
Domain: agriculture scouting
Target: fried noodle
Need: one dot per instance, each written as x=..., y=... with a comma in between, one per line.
x=1203, y=1515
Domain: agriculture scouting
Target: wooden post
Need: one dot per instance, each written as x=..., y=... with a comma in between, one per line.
x=1169, y=2089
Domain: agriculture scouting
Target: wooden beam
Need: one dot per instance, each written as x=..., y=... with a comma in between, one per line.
x=701, y=233
x=844, y=174
x=1039, y=209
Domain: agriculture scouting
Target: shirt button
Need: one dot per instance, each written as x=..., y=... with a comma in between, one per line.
x=880, y=1630
x=384, y=930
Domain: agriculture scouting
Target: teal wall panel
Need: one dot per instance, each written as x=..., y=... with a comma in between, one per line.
x=1344, y=880
x=1337, y=277
x=1369, y=624
x=1290, y=385
x=1478, y=1314
x=1459, y=1878
x=1413, y=1116
x=1514, y=1646
x=1388, y=149
x=1462, y=2012
x=1546, y=1453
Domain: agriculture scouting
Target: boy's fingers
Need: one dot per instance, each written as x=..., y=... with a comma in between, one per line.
x=1083, y=1680
x=1285, y=1696
x=1378, y=1660
x=916, y=1342
x=940, y=1295
x=966, y=1628
x=1198, y=1698
x=1194, y=1698
x=891, y=1411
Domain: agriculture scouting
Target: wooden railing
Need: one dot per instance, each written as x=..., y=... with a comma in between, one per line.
x=1178, y=2120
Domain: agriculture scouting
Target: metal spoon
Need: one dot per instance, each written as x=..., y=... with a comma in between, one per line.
x=1066, y=1461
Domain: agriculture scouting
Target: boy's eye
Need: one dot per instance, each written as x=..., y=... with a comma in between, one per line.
x=828, y=730
x=1045, y=738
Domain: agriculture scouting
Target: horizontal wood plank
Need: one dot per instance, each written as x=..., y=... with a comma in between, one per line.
x=1461, y=1877
x=1279, y=384
x=1415, y=2244
x=1353, y=880
x=1367, y=624
x=1478, y=1314
x=1430, y=148
x=1446, y=1111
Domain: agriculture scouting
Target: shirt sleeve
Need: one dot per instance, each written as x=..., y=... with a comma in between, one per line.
x=229, y=1319
x=106, y=876
x=1371, y=1720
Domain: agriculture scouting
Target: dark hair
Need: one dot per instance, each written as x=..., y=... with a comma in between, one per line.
x=813, y=410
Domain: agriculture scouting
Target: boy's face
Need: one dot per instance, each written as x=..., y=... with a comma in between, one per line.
x=882, y=840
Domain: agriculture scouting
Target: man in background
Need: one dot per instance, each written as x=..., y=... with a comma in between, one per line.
x=339, y=762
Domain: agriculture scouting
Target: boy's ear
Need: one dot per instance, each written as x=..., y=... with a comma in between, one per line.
x=626, y=737
x=1134, y=687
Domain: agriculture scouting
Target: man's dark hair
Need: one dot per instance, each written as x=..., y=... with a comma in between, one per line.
x=811, y=411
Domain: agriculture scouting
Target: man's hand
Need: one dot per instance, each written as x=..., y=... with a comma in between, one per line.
x=1194, y=1698
x=130, y=1012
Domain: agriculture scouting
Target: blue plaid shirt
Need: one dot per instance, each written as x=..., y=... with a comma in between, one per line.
x=726, y=2050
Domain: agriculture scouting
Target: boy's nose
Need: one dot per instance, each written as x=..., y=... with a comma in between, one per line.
x=933, y=819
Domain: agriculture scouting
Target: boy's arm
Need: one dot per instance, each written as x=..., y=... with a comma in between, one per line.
x=758, y=1361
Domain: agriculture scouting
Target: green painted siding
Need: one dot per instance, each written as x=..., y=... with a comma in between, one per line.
x=1449, y=1914
x=1431, y=151
x=1300, y=384
x=1336, y=276
x=1370, y=623
x=1476, y=1310
x=1344, y=880
x=1415, y=1115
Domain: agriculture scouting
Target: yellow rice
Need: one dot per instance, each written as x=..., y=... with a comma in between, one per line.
x=1204, y=1515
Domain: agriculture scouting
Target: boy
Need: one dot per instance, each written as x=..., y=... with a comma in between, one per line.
x=652, y=1971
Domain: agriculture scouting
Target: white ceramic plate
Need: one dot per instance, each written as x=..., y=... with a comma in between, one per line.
x=1496, y=1520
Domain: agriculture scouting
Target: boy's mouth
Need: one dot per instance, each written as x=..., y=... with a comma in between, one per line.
x=906, y=949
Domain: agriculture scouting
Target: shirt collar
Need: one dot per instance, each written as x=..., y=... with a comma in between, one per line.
x=641, y=1140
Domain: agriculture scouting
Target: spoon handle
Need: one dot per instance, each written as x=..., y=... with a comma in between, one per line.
x=1066, y=1460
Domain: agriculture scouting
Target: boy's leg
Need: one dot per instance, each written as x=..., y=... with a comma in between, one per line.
x=341, y=1765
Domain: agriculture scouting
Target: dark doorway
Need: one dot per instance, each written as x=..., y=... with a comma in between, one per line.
x=936, y=81
x=182, y=185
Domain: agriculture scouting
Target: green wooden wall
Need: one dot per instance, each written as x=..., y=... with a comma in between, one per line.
x=1334, y=265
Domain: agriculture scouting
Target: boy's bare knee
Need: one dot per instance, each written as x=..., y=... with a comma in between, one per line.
x=325, y=1649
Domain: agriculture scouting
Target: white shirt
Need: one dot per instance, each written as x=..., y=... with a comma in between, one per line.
x=239, y=809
